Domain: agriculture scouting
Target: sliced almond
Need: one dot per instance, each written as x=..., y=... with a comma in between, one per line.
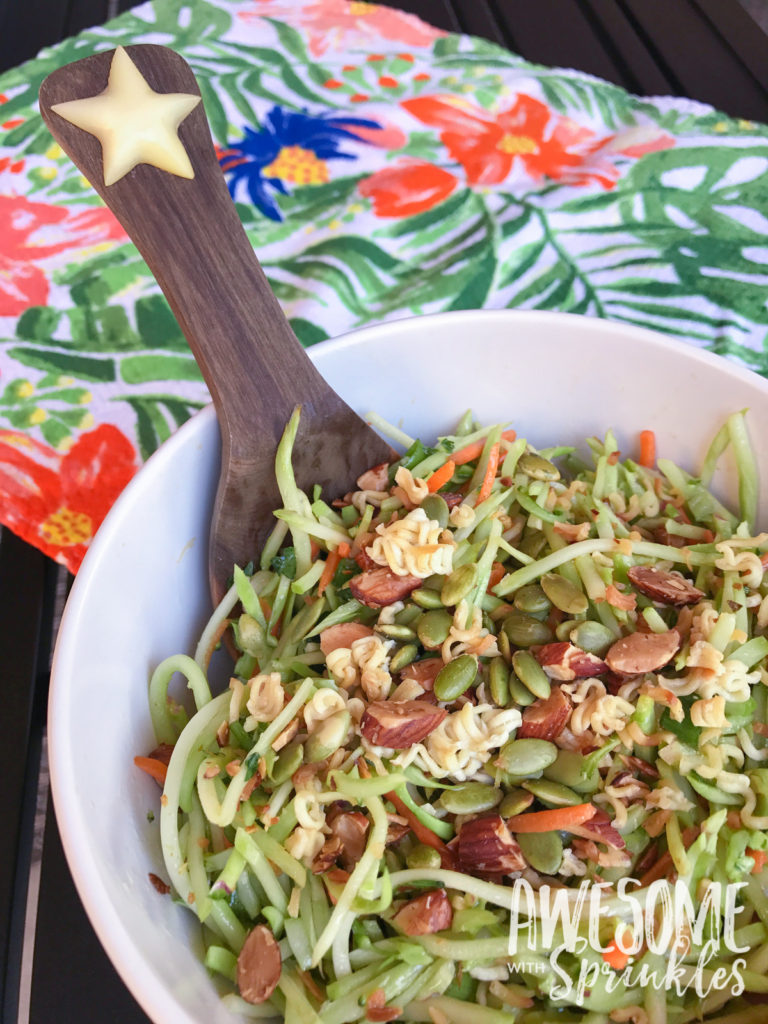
x=399, y=725
x=565, y=661
x=377, y=588
x=375, y=479
x=426, y=914
x=351, y=829
x=343, y=634
x=664, y=586
x=258, y=965
x=326, y=858
x=546, y=719
x=487, y=847
x=424, y=671
x=643, y=652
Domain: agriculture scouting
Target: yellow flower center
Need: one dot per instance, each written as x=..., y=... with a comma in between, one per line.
x=299, y=165
x=514, y=144
x=358, y=7
x=64, y=528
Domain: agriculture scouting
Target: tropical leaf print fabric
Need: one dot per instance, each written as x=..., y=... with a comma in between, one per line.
x=382, y=169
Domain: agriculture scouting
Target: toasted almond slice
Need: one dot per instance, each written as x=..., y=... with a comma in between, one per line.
x=399, y=725
x=258, y=965
x=664, y=586
x=643, y=652
x=426, y=914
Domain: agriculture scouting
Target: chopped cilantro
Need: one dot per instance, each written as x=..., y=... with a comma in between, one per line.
x=285, y=563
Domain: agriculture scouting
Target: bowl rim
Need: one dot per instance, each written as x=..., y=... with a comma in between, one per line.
x=155, y=999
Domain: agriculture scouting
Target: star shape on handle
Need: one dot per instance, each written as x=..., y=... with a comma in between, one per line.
x=133, y=123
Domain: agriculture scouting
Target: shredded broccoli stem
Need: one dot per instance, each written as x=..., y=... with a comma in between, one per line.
x=162, y=722
x=248, y=827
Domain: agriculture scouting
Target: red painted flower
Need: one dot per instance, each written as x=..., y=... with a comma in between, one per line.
x=488, y=147
x=407, y=188
x=55, y=501
x=31, y=232
x=342, y=25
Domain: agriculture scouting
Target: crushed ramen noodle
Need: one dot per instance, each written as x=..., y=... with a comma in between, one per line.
x=488, y=667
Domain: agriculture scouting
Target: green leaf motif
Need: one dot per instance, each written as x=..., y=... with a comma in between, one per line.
x=157, y=416
x=81, y=367
x=150, y=366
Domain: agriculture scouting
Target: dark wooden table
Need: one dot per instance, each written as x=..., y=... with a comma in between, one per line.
x=52, y=968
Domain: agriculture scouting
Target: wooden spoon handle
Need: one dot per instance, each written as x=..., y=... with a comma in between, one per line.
x=189, y=233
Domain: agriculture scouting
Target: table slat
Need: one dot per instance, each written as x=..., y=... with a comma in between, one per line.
x=683, y=39
x=25, y=578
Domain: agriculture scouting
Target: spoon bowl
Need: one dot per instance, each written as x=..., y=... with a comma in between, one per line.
x=188, y=231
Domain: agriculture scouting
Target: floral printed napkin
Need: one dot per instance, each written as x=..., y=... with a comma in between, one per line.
x=382, y=168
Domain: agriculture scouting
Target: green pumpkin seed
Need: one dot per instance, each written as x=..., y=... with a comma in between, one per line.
x=503, y=643
x=515, y=802
x=425, y=598
x=422, y=857
x=533, y=543
x=394, y=631
x=408, y=615
x=393, y=860
x=519, y=692
x=434, y=582
x=542, y=850
x=327, y=737
x=509, y=780
x=526, y=756
x=498, y=682
x=564, y=629
x=537, y=467
x=458, y=584
x=553, y=794
x=402, y=657
x=524, y=631
x=456, y=677
x=566, y=769
x=470, y=798
x=433, y=627
x=563, y=594
x=531, y=674
x=436, y=507
x=532, y=599
x=288, y=761
x=593, y=637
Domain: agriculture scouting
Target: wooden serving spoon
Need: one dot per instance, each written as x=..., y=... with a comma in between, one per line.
x=189, y=233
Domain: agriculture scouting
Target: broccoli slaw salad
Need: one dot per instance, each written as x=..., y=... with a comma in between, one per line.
x=495, y=747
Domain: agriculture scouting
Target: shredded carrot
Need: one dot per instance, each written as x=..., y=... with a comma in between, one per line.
x=764, y=559
x=157, y=769
x=329, y=570
x=617, y=599
x=423, y=834
x=473, y=451
x=616, y=957
x=759, y=857
x=311, y=985
x=490, y=474
x=344, y=549
x=647, y=455
x=497, y=572
x=314, y=548
x=220, y=631
x=551, y=821
x=441, y=476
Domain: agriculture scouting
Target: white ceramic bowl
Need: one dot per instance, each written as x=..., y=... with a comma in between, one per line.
x=142, y=591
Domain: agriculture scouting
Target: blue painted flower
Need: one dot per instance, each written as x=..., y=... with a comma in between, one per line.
x=289, y=146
